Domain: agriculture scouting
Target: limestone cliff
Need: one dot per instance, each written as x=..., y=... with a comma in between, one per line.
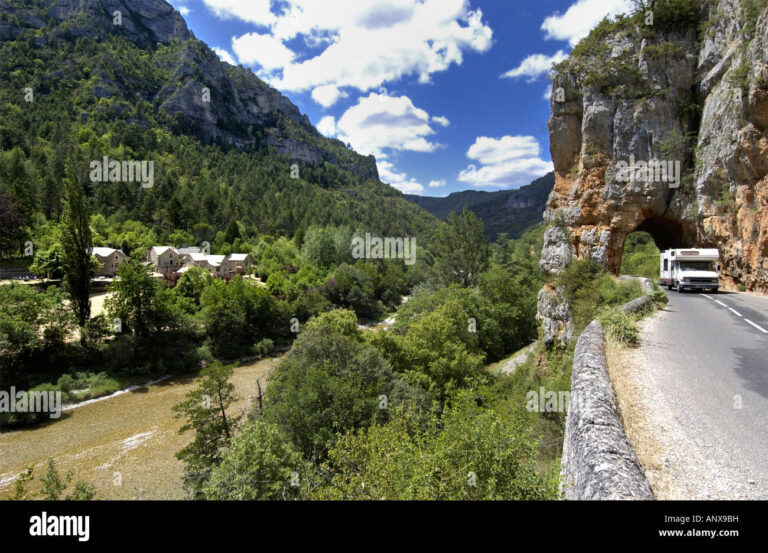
x=683, y=82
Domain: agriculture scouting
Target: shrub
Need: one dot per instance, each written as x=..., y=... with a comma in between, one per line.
x=676, y=15
x=658, y=296
x=620, y=326
x=264, y=347
x=739, y=77
x=587, y=288
x=258, y=466
x=53, y=485
x=327, y=383
x=472, y=452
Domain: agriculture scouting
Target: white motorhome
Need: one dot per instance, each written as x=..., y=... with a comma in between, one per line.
x=691, y=268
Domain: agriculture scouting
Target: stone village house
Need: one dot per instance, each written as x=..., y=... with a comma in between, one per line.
x=167, y=259
x=164, y=259
x=109, y=260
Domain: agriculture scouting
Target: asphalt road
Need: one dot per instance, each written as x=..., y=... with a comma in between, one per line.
x=707, y=355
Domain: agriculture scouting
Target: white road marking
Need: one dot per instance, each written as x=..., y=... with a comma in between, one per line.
x=721, y=303
x=761, y=329
x=706, y=296
x=732, y=309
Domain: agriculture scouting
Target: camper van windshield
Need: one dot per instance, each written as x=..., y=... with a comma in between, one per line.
x=696, y=266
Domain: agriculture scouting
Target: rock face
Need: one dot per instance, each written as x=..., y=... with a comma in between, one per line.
x=688, y=89
x=142, y=21
x=213, y=99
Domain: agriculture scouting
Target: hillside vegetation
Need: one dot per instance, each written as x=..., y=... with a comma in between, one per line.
x=508, y=212
x=349, y=413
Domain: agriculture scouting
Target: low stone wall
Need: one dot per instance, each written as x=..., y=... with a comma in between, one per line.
x=598, y=460
x=637, y=305
x=646, y=283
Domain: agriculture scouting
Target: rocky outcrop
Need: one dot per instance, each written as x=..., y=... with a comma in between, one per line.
x=141, y=21
x=689, y=90
x=554, y=316
x=598, y=459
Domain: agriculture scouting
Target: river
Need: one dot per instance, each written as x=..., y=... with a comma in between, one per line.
x=124, y=445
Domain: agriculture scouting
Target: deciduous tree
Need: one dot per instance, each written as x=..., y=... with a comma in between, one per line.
x=77, y=242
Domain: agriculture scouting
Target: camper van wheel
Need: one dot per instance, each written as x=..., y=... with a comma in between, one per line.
x=679, y=288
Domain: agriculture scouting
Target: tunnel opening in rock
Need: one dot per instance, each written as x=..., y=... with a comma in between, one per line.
x=641, y=255
x=666, y=233
x=641, y=248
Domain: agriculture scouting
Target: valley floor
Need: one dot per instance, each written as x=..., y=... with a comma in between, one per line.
x=133, y=435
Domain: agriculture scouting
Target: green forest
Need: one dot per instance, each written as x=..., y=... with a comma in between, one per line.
x=350, y=413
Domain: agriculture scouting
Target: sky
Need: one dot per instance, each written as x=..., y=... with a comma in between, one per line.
x=448, y=95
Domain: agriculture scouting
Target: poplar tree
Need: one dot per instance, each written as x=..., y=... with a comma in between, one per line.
x=77, y=241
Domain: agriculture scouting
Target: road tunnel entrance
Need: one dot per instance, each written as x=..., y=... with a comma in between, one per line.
x=666, y=233
x=640, y=249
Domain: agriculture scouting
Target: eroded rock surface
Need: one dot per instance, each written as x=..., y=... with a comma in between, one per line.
x=693, y=92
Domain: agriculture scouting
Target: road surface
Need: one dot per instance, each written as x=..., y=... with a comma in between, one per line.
x=700, y=409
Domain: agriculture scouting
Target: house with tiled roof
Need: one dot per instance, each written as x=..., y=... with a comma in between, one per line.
x=164, y=259
x=109, y=260
x=237, y=263
x=219, y=265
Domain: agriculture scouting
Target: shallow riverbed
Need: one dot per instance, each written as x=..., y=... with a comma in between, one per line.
x=132, y=437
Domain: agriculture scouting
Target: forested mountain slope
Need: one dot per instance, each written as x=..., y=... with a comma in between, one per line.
x=73, y=84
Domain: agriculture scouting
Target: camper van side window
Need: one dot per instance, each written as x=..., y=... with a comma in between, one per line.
x=666, y=264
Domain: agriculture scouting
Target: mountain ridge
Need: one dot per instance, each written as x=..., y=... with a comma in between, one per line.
x=502, y=211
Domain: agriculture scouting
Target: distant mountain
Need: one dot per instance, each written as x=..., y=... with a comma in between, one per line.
x=510, y=211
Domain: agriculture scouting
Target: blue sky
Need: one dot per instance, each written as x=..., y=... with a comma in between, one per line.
x=447, y=94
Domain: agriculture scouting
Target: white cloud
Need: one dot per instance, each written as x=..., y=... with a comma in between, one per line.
x=490, y=151
x=364, y=44
x=534, y=66
x=581, y=17
x=183, y=10
x=224, y=55
x=327, y=126
x=265, y=50
x=327, y=95
x=388, y=174
x=437, y=183
x=379, y=122
x=440, y=120
x=510, y=161
x=252, y=11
